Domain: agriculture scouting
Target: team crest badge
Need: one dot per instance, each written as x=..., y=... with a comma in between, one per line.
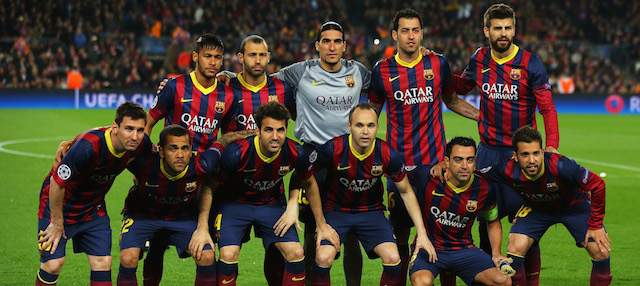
x=472, y=206
x=350, y=81
x=376, y=170
x=283, y=170
x=515, y=74
x=428, y=74
x=219, y=106
x=273, y=97
x=552, y=187
x=191, y=186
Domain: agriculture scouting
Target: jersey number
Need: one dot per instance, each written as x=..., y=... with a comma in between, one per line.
x=218, y=222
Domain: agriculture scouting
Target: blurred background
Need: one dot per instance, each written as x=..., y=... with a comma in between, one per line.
x=587, y=46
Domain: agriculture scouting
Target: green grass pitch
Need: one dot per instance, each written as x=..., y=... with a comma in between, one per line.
x=29, y=139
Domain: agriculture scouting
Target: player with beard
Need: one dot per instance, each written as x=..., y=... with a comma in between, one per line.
x=555, y=190
x=414, y=87
x=512, y=83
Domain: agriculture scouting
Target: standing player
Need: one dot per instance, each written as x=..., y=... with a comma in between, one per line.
x=450, y=209
x=253, y=171
x=72, y=198
x=555, y=190
x=166, y=199
x=414, y=88
x=352, y=202
x=512, y=82
x=326, y=89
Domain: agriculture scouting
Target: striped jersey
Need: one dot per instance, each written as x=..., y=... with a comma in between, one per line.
x=86, y=173
x=354, y=181
x=562, y=183
x=449, y=212
x=202, y=111
x=159, y=195
x=247, y=99
x=511, y=88
x=250, y=177
x=413, y=94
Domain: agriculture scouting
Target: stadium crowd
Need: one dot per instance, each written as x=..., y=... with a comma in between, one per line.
x=591, y=41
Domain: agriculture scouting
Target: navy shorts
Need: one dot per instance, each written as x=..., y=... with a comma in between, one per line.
x=136, y=230
x=398, y=215
x=464, y=263
x=534, y=223
x=371, y=228
x=235, y=220
x=508, y=201
x=91, y=237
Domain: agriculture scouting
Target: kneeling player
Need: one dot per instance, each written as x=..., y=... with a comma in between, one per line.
x=450, y=209
x=165, y=199
x=355, y=164
x=555, y=190
x=253, y=170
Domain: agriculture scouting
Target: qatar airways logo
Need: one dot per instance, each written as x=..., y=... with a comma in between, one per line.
x=449, y=218
x=500, y=91
x=247, y=121
x=170, y=200
x=104, y=179
x=542, y=197
x=360, y=185
x=263, y=186
x=335, y=102
x=199, y=124
x=414, y=95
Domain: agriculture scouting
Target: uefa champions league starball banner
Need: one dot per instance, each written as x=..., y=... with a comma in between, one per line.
x=111, y=98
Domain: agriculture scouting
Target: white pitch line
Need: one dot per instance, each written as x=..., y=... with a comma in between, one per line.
x=18, y=141
x=617, y=166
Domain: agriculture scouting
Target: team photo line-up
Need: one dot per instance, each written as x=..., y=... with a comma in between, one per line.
x=197, y=188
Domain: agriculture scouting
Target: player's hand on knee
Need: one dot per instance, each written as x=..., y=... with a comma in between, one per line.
x=288, y=218
x=422, y=242
x=199, y=239
x=51, y=236
x=62, y=150
x=601, y=237
x=326, y=232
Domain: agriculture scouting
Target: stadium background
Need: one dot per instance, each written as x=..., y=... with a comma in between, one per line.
x=122, y=49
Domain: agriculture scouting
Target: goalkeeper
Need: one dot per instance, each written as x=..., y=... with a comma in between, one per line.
x=449, y=208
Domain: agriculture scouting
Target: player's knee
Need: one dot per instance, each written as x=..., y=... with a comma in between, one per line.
x=102, y=263
x=53, y=266
x=421, y=279
x=325, y=258
x=208, y=257
x=129, y=259
x=294, y=254
x=502, y=279
x=229, y=255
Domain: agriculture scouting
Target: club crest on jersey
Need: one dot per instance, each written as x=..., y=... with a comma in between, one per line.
x=515, y=74
x=283, y=170
x=191, y=186
x=428, y=74
x=376, y=170
x=552, y=187
x=350, y=81
x=472, y=205
x=219, y=106
x=273, y=97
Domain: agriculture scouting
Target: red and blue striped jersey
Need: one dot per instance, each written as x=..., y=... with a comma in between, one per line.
x=201, y=110
x=449, y=212
x=159, y=195
x=511, y=88
x=86, y=173
x=561, y=184
x=252, y=178
x=247, y=99
x=413, y=93
x=354, y=181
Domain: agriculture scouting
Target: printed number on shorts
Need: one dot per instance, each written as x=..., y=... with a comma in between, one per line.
x=524, y=211
x=218, y=222
x=390, y=201
x=302, y=197
x=125, y=225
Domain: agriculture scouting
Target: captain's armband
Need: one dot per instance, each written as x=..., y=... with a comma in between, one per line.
x=491, y=214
